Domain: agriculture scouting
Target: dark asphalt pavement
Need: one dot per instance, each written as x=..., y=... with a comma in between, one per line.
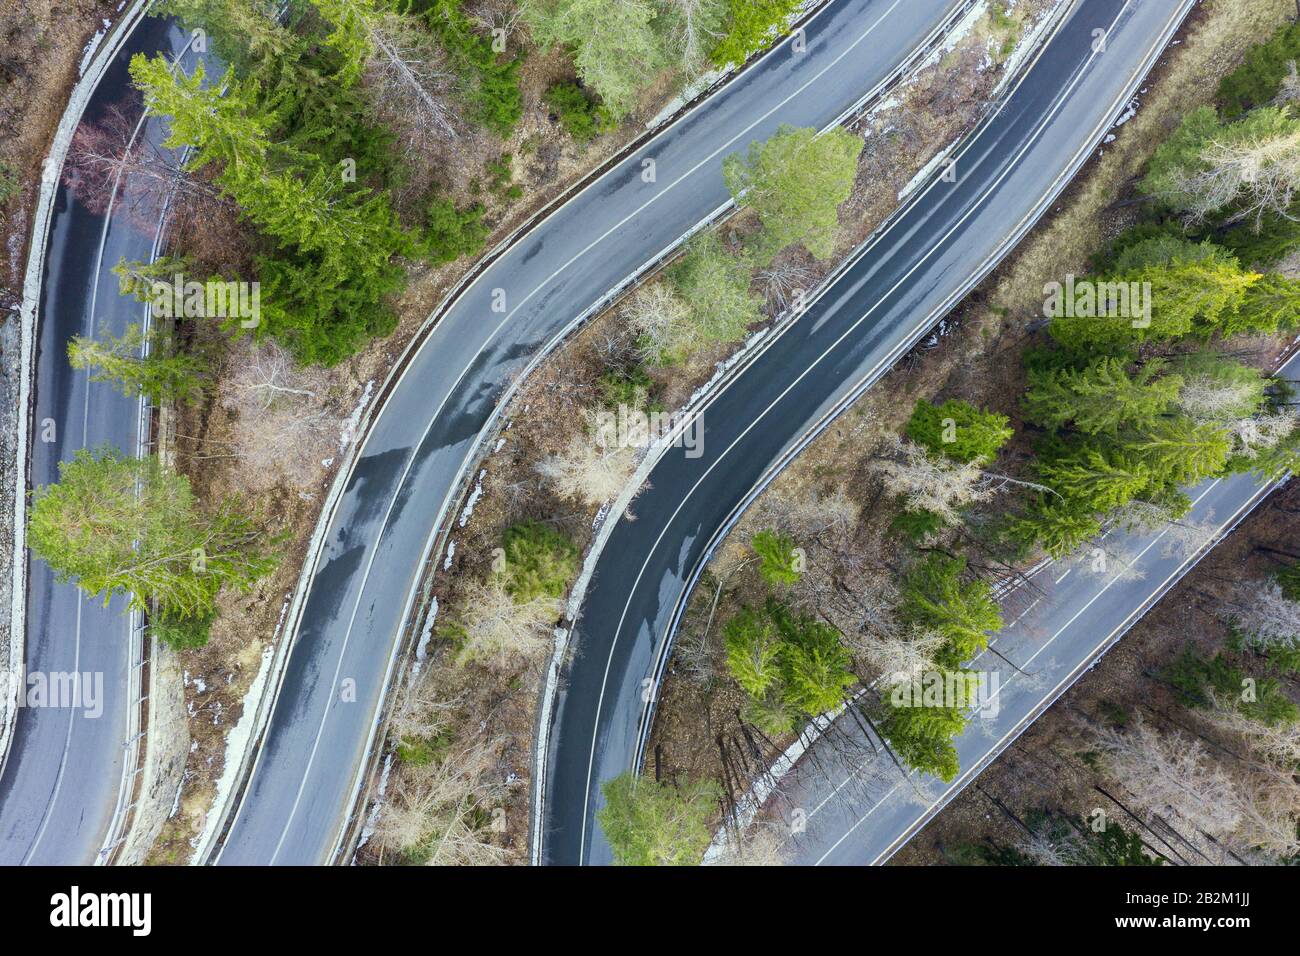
x=304, y=779
x=950, y=236
x=64, y=771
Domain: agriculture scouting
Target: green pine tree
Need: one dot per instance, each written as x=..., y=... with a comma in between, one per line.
x=651, y=824
x=753, y=651
x=795, y=182
x=778, y=557
x=958, y=430
x=935, y=596
x=117, y=525
x=162, y=374
x=1102, y=397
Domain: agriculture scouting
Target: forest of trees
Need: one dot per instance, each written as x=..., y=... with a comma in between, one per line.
x=1131, y=409
x=303, y=155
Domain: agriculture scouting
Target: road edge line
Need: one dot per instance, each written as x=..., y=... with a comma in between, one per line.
x=51, y=168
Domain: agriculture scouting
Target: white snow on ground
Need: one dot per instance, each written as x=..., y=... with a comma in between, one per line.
x=349, y=433
x=426, y=635
x=926, y=172
x=368, y=830
x=88, y=51
x=1128, y=114
x=236, y=743
x=959, y=32
x=474, y=496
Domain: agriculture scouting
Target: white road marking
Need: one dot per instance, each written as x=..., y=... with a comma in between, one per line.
x=1056, y=106
x=433, y=420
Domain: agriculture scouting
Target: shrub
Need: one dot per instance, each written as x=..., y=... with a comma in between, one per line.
x=539, y=561
x=778, y=562
x=958, y=430
x=9, y=184
x=451, y=233
x=626, y=385
x=581, y=115
x=1259, y=79
x=715, y=287
x=916, y=526
x=179, y=632
x=752, y=25
x=501, y=177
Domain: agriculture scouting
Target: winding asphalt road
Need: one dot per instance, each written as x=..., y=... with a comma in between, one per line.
x=857, y=808
x=949, y=238
x=63, y=778
x=304, y=780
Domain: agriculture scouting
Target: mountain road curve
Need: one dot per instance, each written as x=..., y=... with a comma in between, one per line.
x=300, y=791
x=947, y=238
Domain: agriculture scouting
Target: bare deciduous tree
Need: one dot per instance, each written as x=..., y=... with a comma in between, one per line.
x=501, y=633
x=660, y=317
x=593, y=468
x=1208, y=399
x=284, y=424
x=1250, y=436
x=1046, y=851
x=929, y=483
x=1110, y=563
x=1277, y=745
x=899, y=658
x=1256, y=177
x=409, y=81
x=1269, y=806
x=109, y=165
x=760, y=844
x=1181, y=537
x=694, y=655
x=1264, y=615
x=1171, y=776
x=435, y=809
x=808, y=513
x=695, y=28
x=784, y=281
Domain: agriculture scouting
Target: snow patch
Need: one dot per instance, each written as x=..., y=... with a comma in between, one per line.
x=349, y=433
x=237, y=741
x=474, y=496
x=88, y=51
